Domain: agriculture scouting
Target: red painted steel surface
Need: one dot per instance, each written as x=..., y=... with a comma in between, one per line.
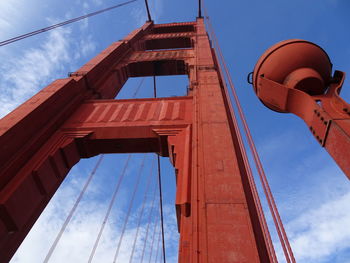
x=77, y=118
x=295, y=76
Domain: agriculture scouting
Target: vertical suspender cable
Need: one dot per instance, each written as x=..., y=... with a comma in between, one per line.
x=261, y=215
x=154, y=87
x=160, y=184
x=72, y=211
x=157, y=250
x=121, y=177
x=141, y=213
x=149, y=223
x=153, y=236
x=109, y=208
x=273, y=208
x=129, y=210
x=161, y=207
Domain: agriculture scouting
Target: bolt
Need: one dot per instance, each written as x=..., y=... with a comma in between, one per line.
x=322, y=119
x=325, y=123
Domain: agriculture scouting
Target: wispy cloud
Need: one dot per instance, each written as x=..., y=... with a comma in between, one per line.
x=97, y=2
x=139, y=14
x=26, y=72
x=24, y=75
x=321, y=232
x=312, y=195
x=10, y=17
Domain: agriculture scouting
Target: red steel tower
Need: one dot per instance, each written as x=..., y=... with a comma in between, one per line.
x=218, y=213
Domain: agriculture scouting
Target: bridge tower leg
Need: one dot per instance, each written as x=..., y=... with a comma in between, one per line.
x=78, y=117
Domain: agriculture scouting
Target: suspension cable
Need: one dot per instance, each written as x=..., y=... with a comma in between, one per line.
x=149, y=223
x=109, y=208
x=72, y=211
x=264, y=186
x=115, y=193
x=14, y=39
x=141, y=213
x=160, y=183
x=129, y=209
x=250, y=176
x=161, y=207
x=199, y=8
x=271, y=202
x=148, y=13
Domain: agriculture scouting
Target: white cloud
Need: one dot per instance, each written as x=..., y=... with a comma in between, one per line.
x=26, y=72
x=77, y=241
x=4, y=23
x=97, y=2
x=24, y=75
x=9, y=17
x=322, y=231
x=86, y=5
x=84, y=24
x=312, y=195
x=87, y=46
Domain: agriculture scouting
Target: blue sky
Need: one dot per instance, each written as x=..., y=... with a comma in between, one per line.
x=312, y=194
